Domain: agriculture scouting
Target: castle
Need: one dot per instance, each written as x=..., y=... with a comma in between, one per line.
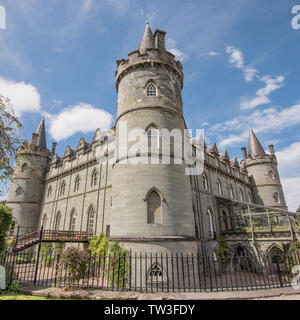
x=152, y=207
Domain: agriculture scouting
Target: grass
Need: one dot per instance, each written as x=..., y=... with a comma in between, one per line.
x=19, y=296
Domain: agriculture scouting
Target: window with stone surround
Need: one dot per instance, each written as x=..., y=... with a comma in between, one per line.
x=57, y=223
x=153, y=137
x=151, y=90
x=24, y=167
x=231, y=192
x=44, y=222
x=73, y=220
x=19, y=191
x=90, y=220
x=62, y=188
x=77, y=184
x=154, y=210
x=95, y=176
x=219, y=186
x=276, y=197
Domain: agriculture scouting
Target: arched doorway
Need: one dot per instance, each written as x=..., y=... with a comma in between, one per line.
x=243, y=260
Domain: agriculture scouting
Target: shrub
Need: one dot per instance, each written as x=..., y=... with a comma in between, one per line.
x=98, y=245
x=118, y=266
x=5, y=223
x=223, y=251
x=73, y=263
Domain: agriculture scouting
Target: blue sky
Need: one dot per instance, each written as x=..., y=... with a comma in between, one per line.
x=240, y=60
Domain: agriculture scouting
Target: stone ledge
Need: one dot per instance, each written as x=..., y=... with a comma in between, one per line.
x=52, y=292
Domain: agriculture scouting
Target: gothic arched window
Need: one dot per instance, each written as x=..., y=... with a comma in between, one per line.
x=24, y=167
x=151, y=90
x=90, y=220
x=231, y=192
x=57, y=221
x=224, y=221
x=205, y=182
x=241, y=195
x=271, y=174
x=276, y=197
x=219, y=186
x=62, y=188
x=44, y=222
x=19, y=191
x=95, y=176
x=73, y=220
x=77, y=184
x=49, y=192
x=153, y=137
x=154, y=212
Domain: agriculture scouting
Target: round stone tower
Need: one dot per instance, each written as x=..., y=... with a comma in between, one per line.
x=152, y=203
x=27, y=188
x=262, y=170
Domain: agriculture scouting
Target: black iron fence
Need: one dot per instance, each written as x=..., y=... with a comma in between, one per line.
x=146, y=272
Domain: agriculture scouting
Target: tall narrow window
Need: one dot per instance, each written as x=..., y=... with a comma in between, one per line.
x=107, y=231
x=24, y=167
x=205, y=182
x=219, y=186
x=154, y=214
x=62, y=188
x=224, y=221
x=231, y=192
x=151, y=90
x=153, y=137
x=276, y=197
x=49, y=192
x=90, y=220
x=95, y=176
x=57, y=221
x=271, y=174
x=77, y=184
x=210, y=224
x=73, y=220
x=241, y=195
x=44, y=223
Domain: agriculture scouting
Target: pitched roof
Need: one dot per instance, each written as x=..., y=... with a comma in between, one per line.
x=147, y=41
x=254, y=148
x=41, y=140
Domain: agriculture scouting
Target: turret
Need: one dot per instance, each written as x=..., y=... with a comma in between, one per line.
x=264, y=175
x=153, y=201
x=26, y=189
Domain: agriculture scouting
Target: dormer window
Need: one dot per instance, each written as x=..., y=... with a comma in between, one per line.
x=151, y=90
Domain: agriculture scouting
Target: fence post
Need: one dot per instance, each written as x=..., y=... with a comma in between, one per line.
x=279, y=272
x=130, y=270
x=38, y=256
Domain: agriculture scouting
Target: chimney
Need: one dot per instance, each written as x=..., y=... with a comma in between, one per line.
x=244, y=151
x=271, y=147
x=34, y=139
x=54, y=144
x=159, y=39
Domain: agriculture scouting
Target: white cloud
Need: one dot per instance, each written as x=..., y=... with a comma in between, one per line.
x=237, y=60
x=87, y=5
x=288, y=160
x=262, y=95
x=291, y=192
x=171, y=46
x=79, y=118
x=58, y=50
x=212, y=53
x=267, y=120
x=24, y=97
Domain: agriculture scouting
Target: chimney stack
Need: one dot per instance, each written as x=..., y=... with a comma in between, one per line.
x=159, y=39
x=54, y=144
x=244, y=151
x=271, y=147
x=34, y=139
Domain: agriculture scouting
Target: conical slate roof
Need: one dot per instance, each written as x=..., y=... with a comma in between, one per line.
x=147, y=41
x=41, y=140
x=254, y=148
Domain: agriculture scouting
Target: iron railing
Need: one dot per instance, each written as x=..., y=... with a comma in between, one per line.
x=144, y=272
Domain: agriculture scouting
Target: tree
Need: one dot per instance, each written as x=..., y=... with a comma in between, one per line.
x=9, y=139
x=5, y=223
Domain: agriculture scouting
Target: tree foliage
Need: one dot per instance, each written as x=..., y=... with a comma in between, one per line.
x=5, y=223
x=9, y=139
x=98, y=245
